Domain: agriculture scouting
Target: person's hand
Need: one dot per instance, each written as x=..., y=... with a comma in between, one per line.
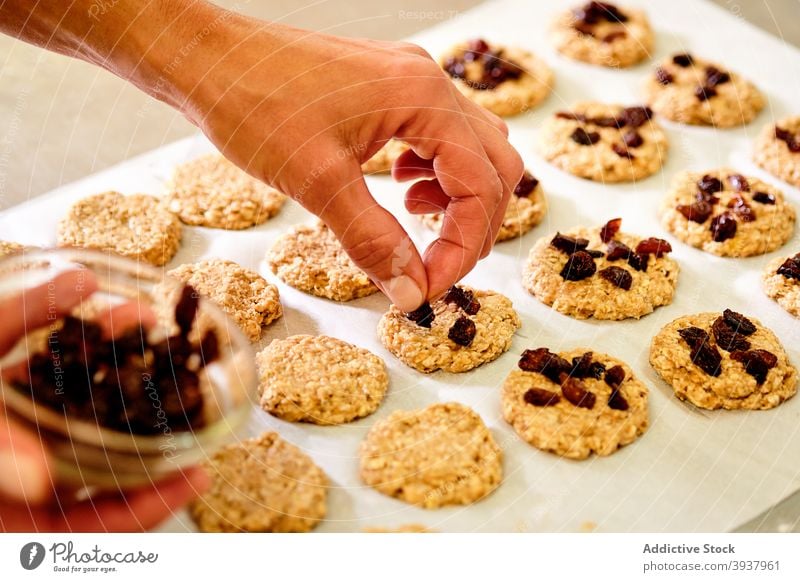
x=303, y=110
x=28, y=492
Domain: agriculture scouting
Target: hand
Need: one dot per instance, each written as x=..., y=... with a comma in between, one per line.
x=27, y=488
x=303, y=110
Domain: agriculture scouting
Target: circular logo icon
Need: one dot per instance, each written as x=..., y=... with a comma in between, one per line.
x=31, y=555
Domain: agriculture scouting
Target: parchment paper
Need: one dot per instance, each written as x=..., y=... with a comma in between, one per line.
x=693, y=470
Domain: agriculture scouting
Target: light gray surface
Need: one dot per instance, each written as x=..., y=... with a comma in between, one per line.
x=61, y=119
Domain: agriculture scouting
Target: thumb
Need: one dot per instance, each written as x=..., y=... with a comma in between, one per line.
x=372, y=237
x=24, y=471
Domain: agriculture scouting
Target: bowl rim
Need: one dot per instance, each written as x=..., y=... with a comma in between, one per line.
x=91, y=433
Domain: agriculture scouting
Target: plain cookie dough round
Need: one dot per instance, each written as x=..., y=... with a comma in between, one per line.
x=784, y=290
x=311, y=259
x=262, y=484
x=243, y=294
x=571, y=431
x=772, y=227
x=320, y=379
x=734, y=388
x=599, y=161
x=512, y=96
x=211, y=191
x=9, y=248
x=137, y=226
x=607, y=43
x=733, y=102
x=440, y=455
x=775, y=155
x=595, y=296
x=381, y=162
x=522, y=214
x=430, y=349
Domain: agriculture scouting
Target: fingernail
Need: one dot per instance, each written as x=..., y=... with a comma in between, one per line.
x=404, y=292
x=20, y=477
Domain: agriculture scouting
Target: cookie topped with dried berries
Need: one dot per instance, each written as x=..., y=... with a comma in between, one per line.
x=688, y=89
x=603, y=34
x=725, y=213
x=574, y=403
x=782, y=282
x=456, y=333
x=601, y=272
x=723, y=360
x=604, y=142
x=505, y=80
x=777, y=149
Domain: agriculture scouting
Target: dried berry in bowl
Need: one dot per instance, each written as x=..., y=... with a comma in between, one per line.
x=123, y=412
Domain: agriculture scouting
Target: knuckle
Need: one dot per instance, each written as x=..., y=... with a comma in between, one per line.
x=415, y=49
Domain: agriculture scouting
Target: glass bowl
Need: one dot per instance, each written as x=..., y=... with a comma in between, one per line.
x=86, y=455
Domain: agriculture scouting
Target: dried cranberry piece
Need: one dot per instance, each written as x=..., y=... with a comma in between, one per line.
x=653, y=246
x=463, y=298
x=633, y=139
x=617, y=251
x=462, y=331
x=571, y=116
x=792, y=142
x=527, y=184
x=616, y=401
x=698, y=212
x=603, y=121
x=638, y=262
x=723, y=227
x=595, y=254
x=757, y=363
x=583, y=137
x=622, y=151
x=739, y=183
x=704, y=93
x=704, y=355
x=742, y=209
x=727, y=338
x=790, y=268
x=635, y=116
x=710, y=184
x=593, y=12
x=540, y=397
x=454, y=67
x=716, y=77
x=579, y=266
x=477, y=47
x=739, y=322
x=544, y=362
x=584, y=28
x=186, y=308
x=576, y=393
x=610, y=229
x=683, y=60
x=615, y=376
x=764, y=198
x=581, y=366
x=617, y=276
x=663, y=76
x=423, y=315
x=567, y=244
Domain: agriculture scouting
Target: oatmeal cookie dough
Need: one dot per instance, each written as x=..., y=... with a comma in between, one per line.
x=311, y=259
x=381, y=162
x=243, y=294
x=777, y=149
x=603, y=34
x=440, y=455
x=604, y=143
x=525, y=210
x=599, y=406
x=687, y=89
x=723, y=360
x=450, y=337
x=320, y=379
x=505, y=80
x=727, y=214
x=782, y=282
x=619, y=283
x=137, y=226
x=262, y=484
x=211, y=191
x=9, y=248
